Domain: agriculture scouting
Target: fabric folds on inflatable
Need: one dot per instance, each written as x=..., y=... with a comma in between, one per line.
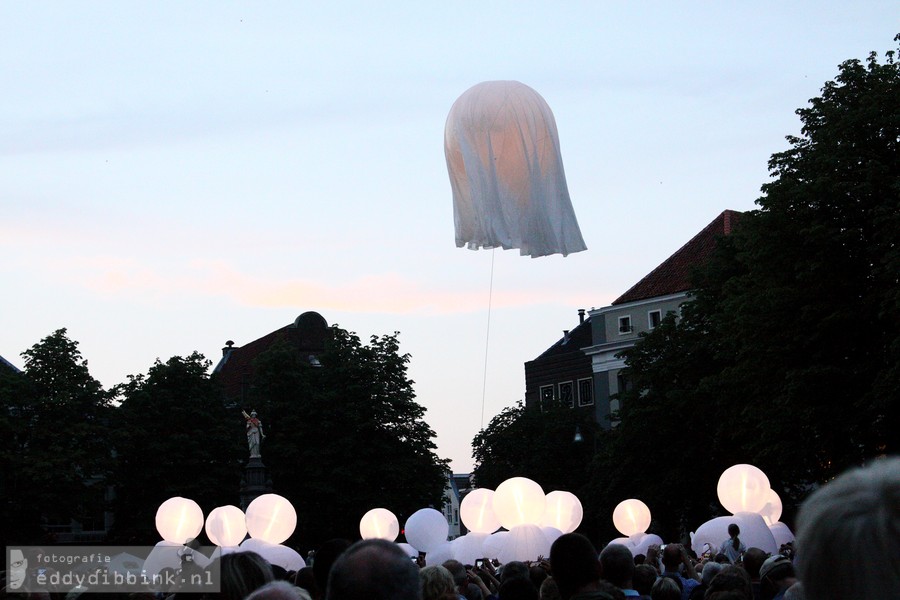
x=506, y=172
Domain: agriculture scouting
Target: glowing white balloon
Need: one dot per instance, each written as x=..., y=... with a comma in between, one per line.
x=771, y=511
x=743, y=488
x=493, y=543
x=710, y=535
x=519, y=501
x=552, y=533
x=564, y=511
x=477, y=511
x=782, y=533
x=226, y=526
x=631, y=516
x=179, y=520
x=426, y=529
x=271, y=518
x=467, y=548
x=755, y=533
x=524, y=543
x=439, y=554
x=379, y=523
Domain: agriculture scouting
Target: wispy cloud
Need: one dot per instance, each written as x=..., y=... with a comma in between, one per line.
x=383, y=292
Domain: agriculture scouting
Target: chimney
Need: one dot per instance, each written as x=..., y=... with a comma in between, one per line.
x=228, y=348
x=565, y=336
x=580, y=315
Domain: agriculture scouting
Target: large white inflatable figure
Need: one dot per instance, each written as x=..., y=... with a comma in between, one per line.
x=506, y=172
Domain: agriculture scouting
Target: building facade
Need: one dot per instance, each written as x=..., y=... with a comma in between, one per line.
x=584, y=367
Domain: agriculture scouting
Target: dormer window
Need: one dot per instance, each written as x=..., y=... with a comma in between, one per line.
x=625, y=325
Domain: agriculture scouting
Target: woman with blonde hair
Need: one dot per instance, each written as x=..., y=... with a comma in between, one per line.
x=437, y=584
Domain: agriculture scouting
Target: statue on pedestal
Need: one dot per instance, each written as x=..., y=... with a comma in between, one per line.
x=254, y=433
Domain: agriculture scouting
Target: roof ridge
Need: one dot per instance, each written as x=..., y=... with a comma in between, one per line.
x=671, y=277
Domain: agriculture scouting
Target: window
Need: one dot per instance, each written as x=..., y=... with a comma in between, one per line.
x=625, y=325
x=585, y=392
x=566, y=394
x=653, y=319
x=546, y=395
x=623, y=382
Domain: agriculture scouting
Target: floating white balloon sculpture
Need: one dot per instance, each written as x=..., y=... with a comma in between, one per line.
x=426, y=529
x=782, y=533
x=477, y=511
x=631, y=516
x=519, y=501
x=524, y=543
x=271, y=518
x=179, y=520
x=563, y=511
x=771, y=510
x=379, y=523
x=743, y=488
x=226, y=526
x=519, y=504
x=466, y=549
x=744, y=491
x=493, y=543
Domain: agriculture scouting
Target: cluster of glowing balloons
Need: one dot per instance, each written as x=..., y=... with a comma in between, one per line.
x=744, y=491
x=270, y=520
x=533, y=520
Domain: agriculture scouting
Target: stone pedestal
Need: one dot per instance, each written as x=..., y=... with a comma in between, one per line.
x=255, y=482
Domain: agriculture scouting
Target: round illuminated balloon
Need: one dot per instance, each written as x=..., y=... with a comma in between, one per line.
x=771, y=511
x=564, y=511
x=743, y=488
x=439, y=554
x=493, y=543
x=477, y=512
x=468, y=547
x=379, y=523
x=426, y=529
x=631, y=516
x=519, y=501
x=179, y=520
x=524, y=543
x=226, y=526
x=552, y=533
x=271, y=518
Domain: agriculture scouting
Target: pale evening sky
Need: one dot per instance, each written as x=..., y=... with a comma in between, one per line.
x=177, y=174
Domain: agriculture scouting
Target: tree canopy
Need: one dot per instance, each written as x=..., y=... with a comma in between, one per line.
x=788, y=355
x=347, y=435
x=174, y=436
x=54, y=424
x=537, y=442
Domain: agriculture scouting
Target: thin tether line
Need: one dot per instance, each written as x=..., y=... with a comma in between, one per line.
x=487, y=338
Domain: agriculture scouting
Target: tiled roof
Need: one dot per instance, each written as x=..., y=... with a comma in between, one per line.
x=673, y=275
x=236, y=368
